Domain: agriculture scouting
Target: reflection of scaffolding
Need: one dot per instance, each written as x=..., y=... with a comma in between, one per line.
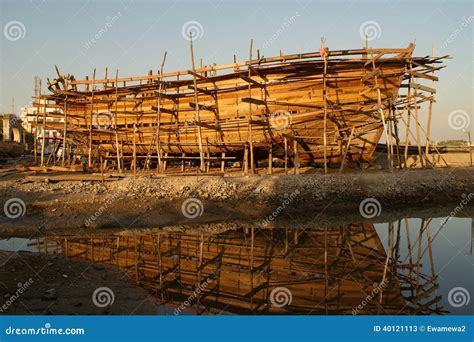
x=327, y=271
x=420, y=290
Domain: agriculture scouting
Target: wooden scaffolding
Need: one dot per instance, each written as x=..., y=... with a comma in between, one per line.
x=319, y=108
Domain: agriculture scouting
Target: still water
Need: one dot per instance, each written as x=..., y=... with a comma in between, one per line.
x=410, y=266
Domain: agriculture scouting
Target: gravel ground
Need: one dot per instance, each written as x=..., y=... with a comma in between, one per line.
x=150, y=201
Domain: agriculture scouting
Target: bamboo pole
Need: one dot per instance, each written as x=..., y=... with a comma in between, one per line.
x=65, y=130
x=43, y=143
x=158, y=123
x=295, y=157
x=197, y=117
x=90, y=121
x=270, y=160
x=38, y=108
x=418, y=137
x=430, y=109
x=346, y=150
x=223, y=162
x=250, y=133
x=117, y=147
x=379, y=102
x=134, y=150
x=325, y=115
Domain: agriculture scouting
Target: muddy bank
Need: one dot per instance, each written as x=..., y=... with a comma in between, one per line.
x=37, y=284
x=147, y=202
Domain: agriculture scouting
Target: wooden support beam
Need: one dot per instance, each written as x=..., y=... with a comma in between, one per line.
x=373, y=73
x=417, y=74
x=204, y=91
x=210, y=108
x=197, y=75
x=250, y=80
x=172, y=97
x=259, y=102
x=164, y=110
x=422, y=87
x=374, y=59
x=346, y=150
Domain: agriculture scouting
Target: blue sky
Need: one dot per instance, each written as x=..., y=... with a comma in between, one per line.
x=138, y=32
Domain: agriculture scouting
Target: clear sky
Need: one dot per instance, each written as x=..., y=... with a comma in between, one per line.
x=132, y=36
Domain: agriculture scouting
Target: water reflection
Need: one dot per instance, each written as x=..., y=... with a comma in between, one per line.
x=356, y=269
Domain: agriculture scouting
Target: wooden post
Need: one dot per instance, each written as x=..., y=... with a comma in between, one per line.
x=270, y=160
x=183, y=162
x=379, y=103
x=223, y=162
x=325, y=115
x=134, y=150
x=158, y=123
x=397, y=139
x=165, y=162
x=38, y=108
x=407, y=126
x=64, y=130
x=90, y=121
x=208, y=155
x=430, y=109
x=44, y=134
x=197, y=117
x=286, y=154
x=246, y=162
x=346, y=150
x=250, y=133
x=295, y=157
x=117, y=147
x=418, y=138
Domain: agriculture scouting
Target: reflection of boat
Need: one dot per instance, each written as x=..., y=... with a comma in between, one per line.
x=324, y=105
x=315, y=271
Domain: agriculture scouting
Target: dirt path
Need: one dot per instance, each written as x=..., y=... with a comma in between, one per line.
x=147, y=202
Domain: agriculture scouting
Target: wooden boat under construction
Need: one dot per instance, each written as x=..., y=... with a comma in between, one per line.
x=316, y=108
